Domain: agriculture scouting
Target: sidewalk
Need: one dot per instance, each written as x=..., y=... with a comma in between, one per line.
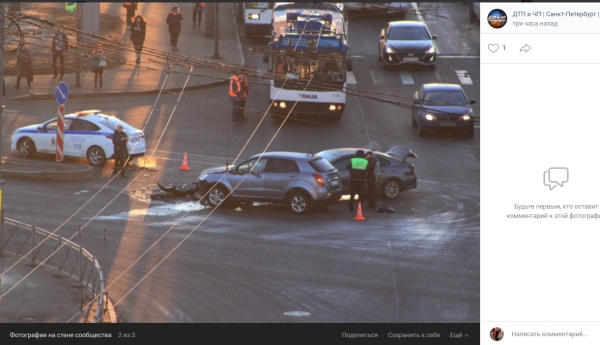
x=45, y=297
x=194, y=47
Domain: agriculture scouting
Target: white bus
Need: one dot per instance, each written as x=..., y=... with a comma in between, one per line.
x=257, y=18
x=308, y=59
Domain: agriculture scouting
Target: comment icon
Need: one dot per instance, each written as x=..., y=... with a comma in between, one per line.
x=556, y=177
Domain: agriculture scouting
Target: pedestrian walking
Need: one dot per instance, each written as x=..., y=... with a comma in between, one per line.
x=131, y=7
x=174, y=19
x=98, y=65
x=138, y=35
x=60, y=45
x=372, y=170
x=119, y=140
x=197, y=9
x=358, y=174
x=244, y=94
x=24, y=67
x=235, y=95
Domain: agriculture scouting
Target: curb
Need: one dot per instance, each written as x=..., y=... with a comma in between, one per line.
x=51, y=96
x=84, y=173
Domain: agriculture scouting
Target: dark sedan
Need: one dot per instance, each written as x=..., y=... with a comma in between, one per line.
x=394, y=176
x=442, y=107
x=407, y=43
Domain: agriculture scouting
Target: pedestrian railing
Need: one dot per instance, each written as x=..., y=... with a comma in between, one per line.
x=40, y=247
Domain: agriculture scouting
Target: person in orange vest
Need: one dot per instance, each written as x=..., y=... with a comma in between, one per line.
x=235, y=95
x=244, y=95
x=197, y=9
x=130, y=7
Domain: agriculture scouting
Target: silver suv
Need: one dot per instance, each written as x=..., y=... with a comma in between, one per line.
x=299, y=180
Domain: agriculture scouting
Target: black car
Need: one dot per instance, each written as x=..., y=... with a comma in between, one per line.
x=442, y=107
x=394, y=174
x=407, y=42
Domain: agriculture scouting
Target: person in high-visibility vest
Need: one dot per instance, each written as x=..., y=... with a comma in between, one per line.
x=235, y=95
x=358, y=175
x=244, y=95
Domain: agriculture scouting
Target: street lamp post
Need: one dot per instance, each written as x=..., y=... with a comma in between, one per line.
x=216, y=53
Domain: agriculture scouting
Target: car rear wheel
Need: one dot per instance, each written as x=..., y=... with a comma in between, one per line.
x=217, y=196
x=391, y=189
x=96, y=156
x=298, y=202
x=26, y=147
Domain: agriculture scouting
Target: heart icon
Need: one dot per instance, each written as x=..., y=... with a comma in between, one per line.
x=493, y=47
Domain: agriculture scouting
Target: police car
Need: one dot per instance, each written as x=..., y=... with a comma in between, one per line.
x=87, y=134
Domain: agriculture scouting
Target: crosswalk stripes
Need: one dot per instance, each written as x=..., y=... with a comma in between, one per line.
x=350, y=78
x=380, y=77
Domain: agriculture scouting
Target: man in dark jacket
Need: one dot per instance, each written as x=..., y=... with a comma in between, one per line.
x=372, y=169
x=60, y=45
x=358, y=174
x=119, y=140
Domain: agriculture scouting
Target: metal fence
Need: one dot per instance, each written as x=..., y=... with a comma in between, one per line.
x=41, y=247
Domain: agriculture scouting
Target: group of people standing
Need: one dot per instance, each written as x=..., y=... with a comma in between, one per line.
x=363, y=168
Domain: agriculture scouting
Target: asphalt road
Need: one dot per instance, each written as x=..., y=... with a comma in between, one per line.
x=173, y=261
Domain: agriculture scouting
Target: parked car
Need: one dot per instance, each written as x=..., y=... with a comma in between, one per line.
x=299, y=180
x=407, y=42
x=442, y=107
x=87, y=134
x=474, y=11
x=395, y=174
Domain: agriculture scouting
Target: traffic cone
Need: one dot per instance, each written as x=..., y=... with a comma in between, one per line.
x=184, y=166
x=359, y=215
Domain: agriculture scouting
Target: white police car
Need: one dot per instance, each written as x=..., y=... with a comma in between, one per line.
x=87, y=134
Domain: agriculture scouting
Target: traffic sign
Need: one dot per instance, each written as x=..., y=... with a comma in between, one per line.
x=62, y=93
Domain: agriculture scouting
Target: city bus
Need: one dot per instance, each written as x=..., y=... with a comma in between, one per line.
x=257, y=18
x=308, y=58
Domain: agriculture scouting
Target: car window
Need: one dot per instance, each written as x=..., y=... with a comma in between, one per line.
x=281, y=165
x=83, y=125
x=445, y=98
x=408, y=34
x=51, y=126
x=341, y=164
x=254, y=165
x=321, y=165
x=383, y=162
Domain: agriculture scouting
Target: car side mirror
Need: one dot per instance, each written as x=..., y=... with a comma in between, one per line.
x=472, y=101
x=434, y=37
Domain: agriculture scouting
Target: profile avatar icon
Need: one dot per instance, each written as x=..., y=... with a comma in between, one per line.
x=497, y=18
x=496, y=334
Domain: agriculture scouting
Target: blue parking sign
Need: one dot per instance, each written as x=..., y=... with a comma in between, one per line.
x=62, y=93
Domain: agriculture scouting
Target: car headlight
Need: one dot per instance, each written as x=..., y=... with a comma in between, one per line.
x=430, y=117
x=465, y=117
x=389, y=50
x=430, y=50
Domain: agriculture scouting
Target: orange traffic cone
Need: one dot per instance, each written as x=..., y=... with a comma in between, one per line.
x=359, y=215
x=184, y=166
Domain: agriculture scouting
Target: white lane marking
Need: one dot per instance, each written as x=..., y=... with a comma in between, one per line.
x=377, y=80
x=296, y=313
x=456, y=57
x=407, y=79
x=350, y=78
x=418, y=12
x=464, y=78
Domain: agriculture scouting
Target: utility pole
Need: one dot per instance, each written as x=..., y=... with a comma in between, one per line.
x=216, y=53
x=78, y=50
x=2, y=85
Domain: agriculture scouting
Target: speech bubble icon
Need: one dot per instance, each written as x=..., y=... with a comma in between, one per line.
x=558, y=175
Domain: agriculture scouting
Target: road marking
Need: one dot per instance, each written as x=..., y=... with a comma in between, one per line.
x=457, y=57
x=407, y=79
x=350, y=78
x=376, y=77
x=417, y=11
x=464, y=78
